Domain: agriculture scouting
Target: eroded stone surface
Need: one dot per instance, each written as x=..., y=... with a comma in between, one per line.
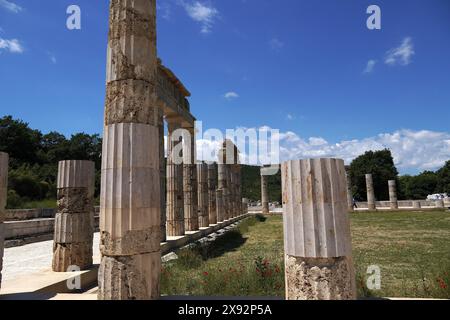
x=393, y=194
x=74, y=227
x=212, y=187
x=132, y=242
x=130, y=277
x=319, y=279
x=4, y=159
x=74, y=200
x=264, y=193
x=71, y=254
x=370, y=192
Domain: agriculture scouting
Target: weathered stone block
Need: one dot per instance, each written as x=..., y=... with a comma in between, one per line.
x=72, y=254
x=74, y=227
x=130, y=277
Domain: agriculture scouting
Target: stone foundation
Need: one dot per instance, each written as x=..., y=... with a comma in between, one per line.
x=319, y=278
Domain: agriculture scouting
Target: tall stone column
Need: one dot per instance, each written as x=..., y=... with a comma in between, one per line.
x=264, y=193
x=370, y=192
x=162, y=173
x=219, y=205
x=190, y=183
x=3, y=194
x=74, y=220
x=393, y=194
x=244, y=206
x=222, y=186
x=212, y=187
x=349, y=195
x=232, y=191
x=202, y=180
x=318, y=253
x=175, y=202
x=130, y=202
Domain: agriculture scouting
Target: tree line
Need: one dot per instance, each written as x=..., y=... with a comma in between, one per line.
x=34, y=158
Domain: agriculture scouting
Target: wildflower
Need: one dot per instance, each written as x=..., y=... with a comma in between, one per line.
x=205, y=273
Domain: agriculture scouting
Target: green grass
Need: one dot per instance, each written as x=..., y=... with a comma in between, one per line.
x=411, y=248
x=41, y=204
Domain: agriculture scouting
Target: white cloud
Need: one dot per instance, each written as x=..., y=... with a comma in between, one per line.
x=401, y=55
x=231, y=95
x=370, y=66
x=276, y=44
x=52, y=57
x=412, y=150
x=290, y=117
x=203, y=13
x=164, y=9
x=10, y=6
x=13, y=45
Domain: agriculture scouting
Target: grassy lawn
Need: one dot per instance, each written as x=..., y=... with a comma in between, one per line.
x=412, y=250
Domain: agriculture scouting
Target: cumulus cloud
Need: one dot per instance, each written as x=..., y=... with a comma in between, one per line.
x=412, y=150
x=231, y=95
x=13, y=45
x=401, y=55
x=203, y=13
x=10, y=6
x=370, y=66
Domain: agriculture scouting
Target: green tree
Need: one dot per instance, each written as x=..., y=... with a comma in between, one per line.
x=420, y=186
x=381, y=165
x=443, y=176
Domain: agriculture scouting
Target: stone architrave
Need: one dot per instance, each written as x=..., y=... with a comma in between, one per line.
x=202, y=182
x=370, y=192
x=3, y=192
x=393, y=194
x=318, y=252
x=130, y=200
x=74, y=220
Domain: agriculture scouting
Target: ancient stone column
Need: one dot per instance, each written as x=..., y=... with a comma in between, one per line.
x=202, y=182
x=318, y=253
x=417, y=205
x=162, y=173
x=190, y=183
x=370, y=192
x=232, y=191
x=349, y=195
x=222, y=186
x=264, y=193
x=175, y=201
x=130, y=201
x=439, y=204
x=219, y=205
x=244, y=206
x=393, y=194
x=3, y=194
x=74, y=220
x=212, y=187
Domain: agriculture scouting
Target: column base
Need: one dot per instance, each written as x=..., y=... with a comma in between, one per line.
x=71, y=254
x=320, y=278
x=130, y=277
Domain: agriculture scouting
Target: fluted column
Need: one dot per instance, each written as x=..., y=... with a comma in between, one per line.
x=318, y=253
x=393, y=194
x=244, y=206
x=175, y=201
x=222, y=186
x=74, y=219
x=3, y=194
x=264, y=193
x=370, y=192
x=130, y=214
x=190, y=182
x=162, y=173
x=202, y=182
x=219, y=206
x=212, y=187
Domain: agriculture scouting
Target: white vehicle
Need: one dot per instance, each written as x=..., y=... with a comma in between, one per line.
x=437, y=196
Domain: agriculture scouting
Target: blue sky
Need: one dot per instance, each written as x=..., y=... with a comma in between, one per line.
x=309, y=68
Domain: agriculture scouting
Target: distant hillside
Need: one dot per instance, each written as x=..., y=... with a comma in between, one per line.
x=251, y=184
